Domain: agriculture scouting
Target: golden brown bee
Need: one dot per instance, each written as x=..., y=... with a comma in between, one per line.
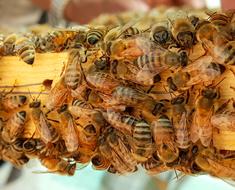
x=142, y=141
x=161, y=33
x=204, y=70
x=208, y=162
x=13, y=102
x=72, y=75
x=152, y=64
x=225, y=53
x=122, y=159
x=57, y=96
x=60, y=40
x=68, y=129
x=14, y=127
x=102, y=81
x=25, y=49
x=154, y=165
x=180, y=122
x=18, y=159
x=182, y=29
x=121, y=122
x=130, y=97
x=163, y=135
x=99, y=162
x=58, y=165
x=201, y=127
x=46, y=131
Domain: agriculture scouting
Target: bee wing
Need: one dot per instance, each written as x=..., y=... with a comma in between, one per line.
x=194, y=129
x=70, y=136
x=198, y=64
x=43, y=129
x=224, y=121
x=205, y=130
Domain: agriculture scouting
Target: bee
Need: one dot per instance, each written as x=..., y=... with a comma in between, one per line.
x=99, y=162
x=102, y=81
x=57, y=96
x=131, y=97
x=154, y=165
x=95, y=35
x=14, y=127
x=58, y=165
x=220, y=20
x=163, y=135
x=72, y=75
x=182, y=29
x=224, y=53
x=122, y=158
x=207, y=69
x=142, y=141
x=152, y=64
x=25, y=49
x=67, y=129
x=123, y=123
x=208, y=162
x=201, y=125
x=13, y=102
x=60, y=40
x=46, y=131
x=180, y=122
x=161, y=33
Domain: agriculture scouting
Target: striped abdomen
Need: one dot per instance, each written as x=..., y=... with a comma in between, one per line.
x=13, y=102
x=143, y=145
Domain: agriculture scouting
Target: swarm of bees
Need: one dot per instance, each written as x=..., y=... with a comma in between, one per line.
x=128, y=97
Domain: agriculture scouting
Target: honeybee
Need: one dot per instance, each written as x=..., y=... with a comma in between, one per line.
x=220, y=20
x=161, y=34
x=121, y=122
x=13, y=102
x=57, y=165
x=201, y=127
x=224, y=53
x=182, y=29
x=72, y=75
x=60, y=40
x=152, y=64
x=208, y=162
x=46, y=131
x=142, y=141
x=57, y=96
x=163, y=135
x=180, y=122
x=95, y=35
x=99, y=162
x=154, y=165
x=18, y=159
x=204, y=70
x=14, y=127
x=122, y=158
x=131, y=97
x=67, y=129
x=25, y=49
x=102, y=81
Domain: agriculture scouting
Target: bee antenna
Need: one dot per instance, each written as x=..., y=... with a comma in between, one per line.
x=31, y=95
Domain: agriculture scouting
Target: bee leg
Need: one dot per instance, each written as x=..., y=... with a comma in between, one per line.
x=223, y=106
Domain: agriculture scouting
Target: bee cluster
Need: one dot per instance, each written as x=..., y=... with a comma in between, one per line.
x=128, y=97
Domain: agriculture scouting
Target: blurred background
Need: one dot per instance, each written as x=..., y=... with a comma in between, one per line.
x=24, y=13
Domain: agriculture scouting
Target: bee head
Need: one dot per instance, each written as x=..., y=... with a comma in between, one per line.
x=161, y=35
x=35, y=104
x=186, y=39
x=209, y=93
